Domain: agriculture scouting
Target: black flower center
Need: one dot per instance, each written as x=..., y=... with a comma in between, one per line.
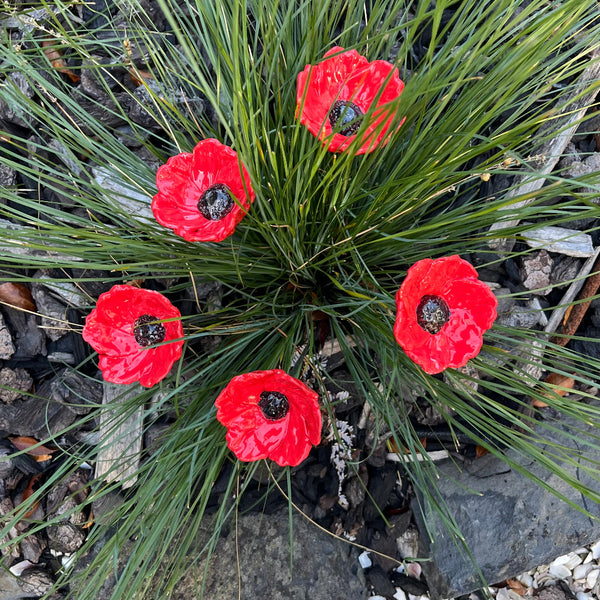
x=216, y=202
x=432, y=314
x=345, y=117
x=147, y=330
x=274, y=405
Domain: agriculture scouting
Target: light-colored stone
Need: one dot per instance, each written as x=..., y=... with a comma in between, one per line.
x=125, y=197
x=7, y=348
x=570, y=242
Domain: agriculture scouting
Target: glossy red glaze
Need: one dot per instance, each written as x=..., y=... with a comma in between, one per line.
x=186, y=176
x=348, y=76
x=251, y=436
x=472, y=312
x=109, y=329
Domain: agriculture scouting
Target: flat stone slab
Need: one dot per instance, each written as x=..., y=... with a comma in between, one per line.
x=323, y=568
x=570, y=242
x=510, y=524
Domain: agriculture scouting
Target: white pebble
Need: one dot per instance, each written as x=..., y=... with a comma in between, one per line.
x=502, y=594
x=400, y=595
x=573, y=560
x=365, y=560
x=526, y=579
x=376, y=598
x=581, y=571
x=595, y=549
x=592, y=578
x=561, y=560
x=583, y=596
x=18, y=568
x=559, y=571
x=588, y=559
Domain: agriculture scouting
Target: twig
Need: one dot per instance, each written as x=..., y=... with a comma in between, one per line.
x=552, y=149
x=577, y=312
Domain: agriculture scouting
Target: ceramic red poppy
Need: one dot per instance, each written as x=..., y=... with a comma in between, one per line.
x=130, y=329
x=335, y=95
x=270, y=414
x=203, y=195
x=442, y=312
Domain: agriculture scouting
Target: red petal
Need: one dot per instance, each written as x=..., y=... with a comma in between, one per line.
x=475, y=298
x=294, y=448
x=244, y=446
x=269, y=434
x=175, y=175
x=463, y=336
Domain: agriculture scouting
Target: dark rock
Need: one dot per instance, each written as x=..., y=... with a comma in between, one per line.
x=380, y=582
x=13, y=383
x=36, y=417
x=35, y=582
x=26, y=334
x=323, y=567
x=7, y=348
x=76, y=391
x=536, y=270
x=65, y=537
x=53, y=312
x=381, y=484
x=8, y=176
x=409, y=584
x=510, y=524
x=32, y=547
x=565, y=270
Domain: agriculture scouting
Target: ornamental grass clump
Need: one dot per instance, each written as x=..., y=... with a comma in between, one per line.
x=239, y=187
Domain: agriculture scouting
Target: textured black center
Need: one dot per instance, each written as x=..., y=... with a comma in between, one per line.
x=147, y=331
x=274, y=405
x=432, y=313
x=345, y=117
x=216, y=202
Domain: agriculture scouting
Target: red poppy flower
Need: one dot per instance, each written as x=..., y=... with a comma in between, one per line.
x=442, y=312
x=125, y=328
x=336, y=93
x=270, y=414
x=202, y=196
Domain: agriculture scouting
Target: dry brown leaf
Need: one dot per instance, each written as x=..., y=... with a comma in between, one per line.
x=39, y=453
x=57, y=61
x=480, y=451
x=139, y=77
x=17, y=295
x=517, y=587
x=556, y=379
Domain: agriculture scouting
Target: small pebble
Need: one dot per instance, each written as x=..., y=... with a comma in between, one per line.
x=400, y=594
x=365, y=560
x=526, y=579
x=559, y=571
x=376, y=598
x=583, y=596
x=592, y=578
x=595, y=550
x=581, y=571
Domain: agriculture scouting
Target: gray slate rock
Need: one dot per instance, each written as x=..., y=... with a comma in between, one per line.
x=323, y=568
x=509, y=523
